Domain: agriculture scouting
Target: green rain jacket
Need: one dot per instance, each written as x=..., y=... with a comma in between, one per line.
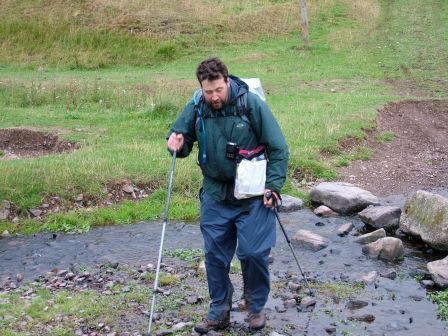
x=227, y=125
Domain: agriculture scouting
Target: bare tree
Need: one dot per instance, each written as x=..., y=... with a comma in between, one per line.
x=304, y=16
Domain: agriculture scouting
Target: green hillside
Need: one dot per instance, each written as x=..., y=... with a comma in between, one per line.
x=113, y=75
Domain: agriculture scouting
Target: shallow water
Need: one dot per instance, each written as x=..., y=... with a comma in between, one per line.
x=401, y=306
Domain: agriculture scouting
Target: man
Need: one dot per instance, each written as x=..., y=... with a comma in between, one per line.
x=215, y=120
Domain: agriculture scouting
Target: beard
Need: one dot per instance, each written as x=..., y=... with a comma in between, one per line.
x=217, y=104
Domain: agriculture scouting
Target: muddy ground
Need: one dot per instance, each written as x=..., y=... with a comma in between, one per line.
x=21, y=142
x=416, y=158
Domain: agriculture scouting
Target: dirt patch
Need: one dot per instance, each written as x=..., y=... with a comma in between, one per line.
x=416, y=158
x=22, y=142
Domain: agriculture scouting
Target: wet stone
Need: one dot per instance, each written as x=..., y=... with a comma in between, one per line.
x=428, y=283
x=307, y=301
x=330, y=330
x=290, y=303
x=390, y=274
x=293, y=286
x=356, y=304
x=416, y=297
x=368, y=318
x=280, y=309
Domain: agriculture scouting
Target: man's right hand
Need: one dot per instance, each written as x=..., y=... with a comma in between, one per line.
x=175, y=142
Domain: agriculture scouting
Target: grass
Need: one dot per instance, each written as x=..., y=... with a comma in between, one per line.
x=385, y=137
x=129, y=75
x=441, y=298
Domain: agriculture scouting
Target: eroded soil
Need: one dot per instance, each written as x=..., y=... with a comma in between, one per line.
x=417, y=158
x=23, y=142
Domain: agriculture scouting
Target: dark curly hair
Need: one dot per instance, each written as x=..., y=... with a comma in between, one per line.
x=211, y=69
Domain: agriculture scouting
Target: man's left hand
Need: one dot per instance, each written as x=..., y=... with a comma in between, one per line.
x=273, y=200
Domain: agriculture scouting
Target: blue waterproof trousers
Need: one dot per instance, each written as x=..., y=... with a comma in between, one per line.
x=223, y=225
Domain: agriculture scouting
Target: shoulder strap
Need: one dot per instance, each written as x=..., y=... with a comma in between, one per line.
x=244, y=113
x=198, y=104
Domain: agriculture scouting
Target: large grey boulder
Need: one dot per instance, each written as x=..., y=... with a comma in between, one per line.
x=307, y=239
x=342, y=197
x=426, y=215
x=388, y=248
x=290, y=204
x=371, y=236
x=439, y=272
x=387, y=217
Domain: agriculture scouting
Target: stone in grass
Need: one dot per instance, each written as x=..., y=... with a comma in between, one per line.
x=181, y=325
x=371, y=237
x=439, y=272
x=193, y=299
x=290, y=204
x=36, y=212
x=344, y=198
x=310, y=240
x=4, y=213
x=6, y=234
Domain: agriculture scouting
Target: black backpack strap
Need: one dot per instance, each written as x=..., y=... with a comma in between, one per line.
x=244, y=113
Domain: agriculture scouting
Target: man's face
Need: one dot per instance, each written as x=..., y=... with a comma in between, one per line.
x=215, y=92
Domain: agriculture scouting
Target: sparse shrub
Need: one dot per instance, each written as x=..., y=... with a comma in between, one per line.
x=385, y=136
x=163, y=109
x=167, y=51
x=185, y=254
x=331, y=149
x=362, y=153
x=441, y=298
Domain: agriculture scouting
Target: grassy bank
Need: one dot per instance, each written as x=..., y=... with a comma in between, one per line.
x=90, y=79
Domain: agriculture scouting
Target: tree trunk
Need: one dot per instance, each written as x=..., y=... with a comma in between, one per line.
x=304, y=16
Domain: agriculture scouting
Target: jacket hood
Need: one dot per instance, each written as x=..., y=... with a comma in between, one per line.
x=237, y=88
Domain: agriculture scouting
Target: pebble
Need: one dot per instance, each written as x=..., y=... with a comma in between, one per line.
x=362, y=318
x=293, y=286
x=19, y=277
x=356, y=304
x=307, y=301
x=390, y=274
x=36, y=212
x=192, y=299
x=428, y=283
x=330, y=330
x=290, y=303
x=280, y=309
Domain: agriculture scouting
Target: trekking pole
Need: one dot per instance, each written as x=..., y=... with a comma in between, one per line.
x=165, y=220
x=269, y=195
